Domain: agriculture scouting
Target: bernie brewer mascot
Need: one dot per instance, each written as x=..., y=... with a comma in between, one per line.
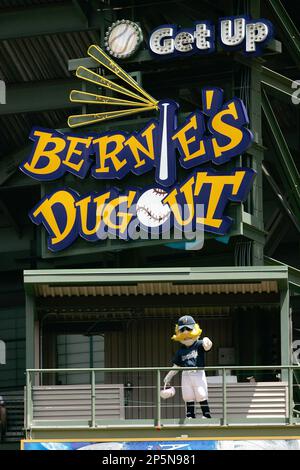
x=191, y=354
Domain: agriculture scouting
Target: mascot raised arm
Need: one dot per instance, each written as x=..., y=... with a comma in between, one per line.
x=191, y=354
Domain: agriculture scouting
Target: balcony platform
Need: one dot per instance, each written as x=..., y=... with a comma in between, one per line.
x=169, y=429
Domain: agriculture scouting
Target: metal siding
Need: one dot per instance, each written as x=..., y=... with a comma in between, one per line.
x=74, y=401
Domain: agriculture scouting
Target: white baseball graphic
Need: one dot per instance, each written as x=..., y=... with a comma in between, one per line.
x=150, y=210
x=123, y=38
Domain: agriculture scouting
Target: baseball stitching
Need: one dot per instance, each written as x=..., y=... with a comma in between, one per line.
x=159, y=191
x=151, y=215
x=120, y=49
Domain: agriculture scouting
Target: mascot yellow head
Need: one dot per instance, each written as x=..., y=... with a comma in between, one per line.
x=187, y=331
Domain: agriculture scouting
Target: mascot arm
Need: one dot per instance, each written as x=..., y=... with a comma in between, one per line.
x=171, y=374
x=207, y=344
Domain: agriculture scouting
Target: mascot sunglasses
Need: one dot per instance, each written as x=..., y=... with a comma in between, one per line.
x=185, y=328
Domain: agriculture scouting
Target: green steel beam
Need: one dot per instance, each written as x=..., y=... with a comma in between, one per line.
x=281, y=198
x=142, y=424
x=277, y=84
x=290, y=31
x=29, y=407
x=224, y=390
x=293, y=273
x=141, y=56
x=30, y=341
x=277, y=231
x=286, y=163
x=93, y=399
x=147, y=431
x=290, y=392
x=45, y=19
x=255, y=225
x=285, y=340
x=162, y=369
x=135, y=275
x=274, y=47
x=257, y=190
x=52, y=94
x=251, y=231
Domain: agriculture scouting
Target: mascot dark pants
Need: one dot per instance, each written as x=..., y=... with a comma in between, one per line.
x=191, y=354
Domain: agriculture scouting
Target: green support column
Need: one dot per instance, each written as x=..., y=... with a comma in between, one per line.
x=252, y=213
x=285, y=328
x=257, y=155
x=258, y=150
x=30, y=315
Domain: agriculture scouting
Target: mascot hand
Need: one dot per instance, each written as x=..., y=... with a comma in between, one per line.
x=207, y=344
x=170, y=375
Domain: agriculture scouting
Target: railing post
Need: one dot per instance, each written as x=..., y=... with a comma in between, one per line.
x=291, y=397
x=93, y=399
x=224, y=397
x=158, y=410
x=28, y=400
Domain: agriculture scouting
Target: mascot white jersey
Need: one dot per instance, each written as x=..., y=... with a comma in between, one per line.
x=191, y=354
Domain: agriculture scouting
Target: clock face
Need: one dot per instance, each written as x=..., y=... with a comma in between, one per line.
x=123, y=38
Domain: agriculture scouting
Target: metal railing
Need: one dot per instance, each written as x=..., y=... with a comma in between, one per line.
x=287, y=372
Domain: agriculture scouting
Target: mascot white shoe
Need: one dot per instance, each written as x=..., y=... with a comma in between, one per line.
x=191, y=354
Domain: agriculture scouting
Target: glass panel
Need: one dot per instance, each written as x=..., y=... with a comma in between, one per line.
x=75, y=351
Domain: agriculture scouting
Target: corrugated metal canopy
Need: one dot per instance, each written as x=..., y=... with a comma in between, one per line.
x=160, y=281
x=141, y=282
x=42, y=57
x=156, y=288
x=112, y=314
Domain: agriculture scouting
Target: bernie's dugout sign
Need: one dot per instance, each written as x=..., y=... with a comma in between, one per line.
x=216, y=134
x=206, y=140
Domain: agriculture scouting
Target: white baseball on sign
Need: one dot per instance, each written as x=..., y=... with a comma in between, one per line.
x=123, y=38
x=150, y=209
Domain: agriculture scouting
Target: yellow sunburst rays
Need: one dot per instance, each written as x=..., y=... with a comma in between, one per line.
x=141, y=102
